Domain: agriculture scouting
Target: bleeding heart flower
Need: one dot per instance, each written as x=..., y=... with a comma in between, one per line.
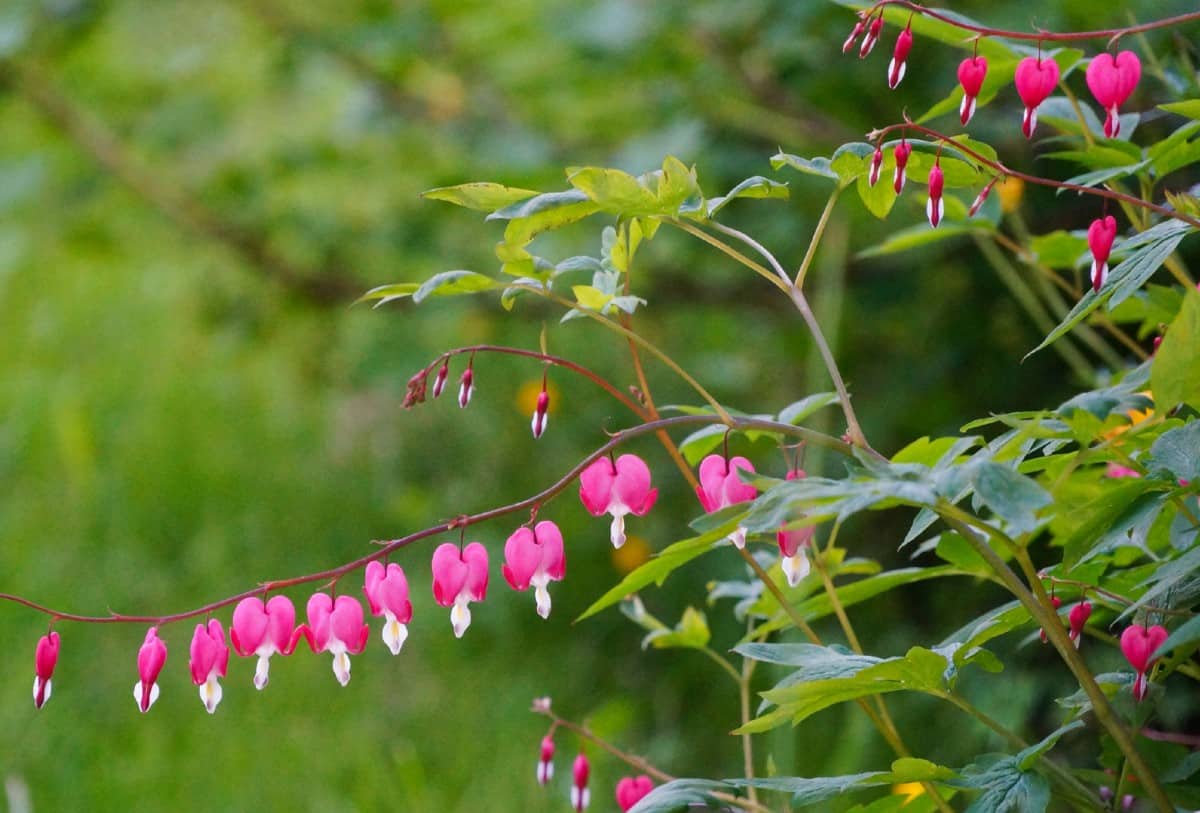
x=1100, y=237
x=632, y=789
x=1056, y=602
x=466, y=387
x=1138, y=644
x=580, y=795
x=545, y=766
x=151, y=657
x=982, y=197
x=460, y=577
x=336, y=627
x=1036, y=79
x=873, y=32
x=971, y=73
x=540, y=412
x=387, y=595
x=901, y=153
x=618, y=488
x=876, y=165
x=263, y=631
x=45, y=658
x=1111, y=81
x=721, y=487
x=1076, y=619
x=792, y=544
x=855, y=33
x=899, y=63
x=439, y=383
x=935, y=207
x=208, y=659
x=535, y=557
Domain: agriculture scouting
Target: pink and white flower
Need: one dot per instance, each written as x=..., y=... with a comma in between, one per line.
x=336, y=627
x=151, y=657
x=45, y=658
x=208, y=659
x=466, y=387
x=632, y=789
x=971, y=73
x=545, y=766
x=935, y=207
x=721, y=487
x=618, y=488
x=540, y=413
x=387, y=595
x=1100, y=238
x=1111, y=80
x=263, y=631
x=794, y=543
x=1138, y=644
x=855, y=33
x=901, y=153
x=1036, y=79
x=1077, y=619
x=460, y=577
x=439, y=381
x=874, y=29
x=580, y=795
x=899, y=63
x=535, y=557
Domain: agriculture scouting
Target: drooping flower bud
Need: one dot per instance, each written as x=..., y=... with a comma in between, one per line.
x=1100, y=238
x=545, y=766
x=151, y=657
x=439, y=383
x=580, y=795
x=792, y=544
x=538, y=424
x=874, y=29
x=632, y=789
x=982, y=197
x=901, y=153
x=971, y=73
x=1077, y=619
x=1138, y=644
x=1036, y=79
x=466, y=387
x=935, y=207
x=1056, y=602
x=855, y=33
x=876, y=165
x=45, y=658
x=1111, y=81
x=899, y=63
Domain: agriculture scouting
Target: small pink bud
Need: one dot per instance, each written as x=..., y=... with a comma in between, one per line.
x=876, y=165
x=45, y=658
x=1077, y=619
x=855, y=33
x=971, y=73
x=1056, y=602
x=439, y=383
x=632, y=789
x=792, y=544
x=1111, y=80
x=901, y=153
x=982, y=197
x=1106, y=793
x=151, y=657
x=1127, y=802
x=873, y=31
x=935, y=207
x=540, y=412
x=580, y=796
x=1036, y=79
x=466, y=387
x=545, y=768
x=899, y=63
x=1138, y=644
x=1117, y=471
x=1157, y=343
x=1100, y=237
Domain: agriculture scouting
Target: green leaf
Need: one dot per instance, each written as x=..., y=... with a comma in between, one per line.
x=1152, y=248
x=756, y=187
x=679, y=795
x=807, y=791
x=1011, y=496
x=1175, y=373
x=659, y=568
x=815, y=662
x=690, y=633
x=1175, y=150
x=1189, y=108
x=1099, y=523
x=485, y=197
x=819, y=166
x=1187, y=636
x=550, y=210
x=614, y=191
x=453, y=283
x=1177, y=451
x=678, y=189
x=389, y=293
x=1059, y=249
x=590, y=298
x=879, y=199
x=1099, y=176
x=859, y=591
x=796, y=412
x=919, y=236
x=1028, y=756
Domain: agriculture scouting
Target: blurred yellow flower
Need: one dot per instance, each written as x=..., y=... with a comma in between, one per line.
x=1011, y=190
x=634, y=553
x=527, y=396
x=910, y=790
x=1136, y=416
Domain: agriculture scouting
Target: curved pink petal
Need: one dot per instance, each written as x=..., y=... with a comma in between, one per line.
x=249, y=626
x=372, y=576
x=46, y=656
x=971, y=73
x=713, y=470
x=735, y=490
x=475, y=556
x=316, y=632
x=595, y=486
x=346, y=624
x=522, y=557
x=1036, y=79
x=632, y=483
x=1138, y=644
x=208, y=652
x=554, y=561
x=449, y=573
x=281, y=623
x=647, y=503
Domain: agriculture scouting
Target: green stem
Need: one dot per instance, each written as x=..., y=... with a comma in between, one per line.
x=724, y=663
x=748, y=665
x=818, y=232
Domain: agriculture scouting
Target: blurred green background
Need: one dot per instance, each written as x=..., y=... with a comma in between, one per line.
x=191, y=197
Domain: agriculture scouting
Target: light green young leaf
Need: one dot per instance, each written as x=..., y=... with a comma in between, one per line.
x=614, y=191
x=529, y=218
x=453, y=283
x=1175, y=375
x=796, y=412
x=388, y=293
x=690, y=633
x=819, y=166
x=484, y=197
x=755, y=187
x=1189, y=108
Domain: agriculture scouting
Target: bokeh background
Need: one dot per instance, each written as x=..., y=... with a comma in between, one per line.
x=192, y=195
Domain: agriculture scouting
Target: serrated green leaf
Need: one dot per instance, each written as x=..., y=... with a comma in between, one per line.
x=1175, y=373
x=453, y=283
x=481, y=196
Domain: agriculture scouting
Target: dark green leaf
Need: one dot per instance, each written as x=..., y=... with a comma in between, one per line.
x=679, y=795
x=1011, y=496
x=1186, y=637
x=921, y=235
x=1178, y=451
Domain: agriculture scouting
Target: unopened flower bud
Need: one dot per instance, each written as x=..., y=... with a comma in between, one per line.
x=45, y=659
x=466, y=387
x=580, y=795
x=545, y=767
x=935, y=207
x=876, y=165
x=899, y=63
x=901, y=153
x=982, y=197
x=855, y=33
x=540, y=412
x=873, y=31
x=1077, y=618
x=439, y=383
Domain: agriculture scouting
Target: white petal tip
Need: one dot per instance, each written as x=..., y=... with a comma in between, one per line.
x=137, y=695
x=542, y=596
x=210, y=694
x=394, y=636
x=262, y=673
x=341, y=668
x=616, y=532
x=738, y=538
x=460, y=619
x=41, y=693
x=795, y=568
